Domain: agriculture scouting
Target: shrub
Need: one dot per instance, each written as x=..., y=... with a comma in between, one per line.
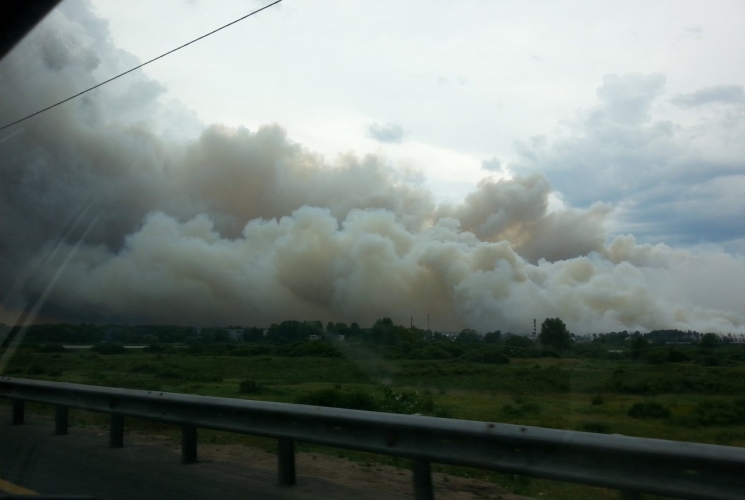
x=335, y=398
x=709, y=360
x=154, y=347
x=406, y=402
x=519, y=341
x=251, y=350
x=649, y=409
x=634, y=384
x=596, y=427
x=50, y=348
x=716, y=412
x=549, y=352
x=597, y=400
x=36, y=369
x=552, y=379
x=443, y=413
x=249, y=386
x=143, y=368
x=656, y=356
x=676, y=356
x=432, y=352
x=171, y=373
x=473, y=355
x=308, y=349
x=521, y=408
x=109, y=348
x=669, y=355
x=356, y=399
x=495, y=357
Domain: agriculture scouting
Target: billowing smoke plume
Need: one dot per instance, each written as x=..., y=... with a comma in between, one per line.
x=130, y=223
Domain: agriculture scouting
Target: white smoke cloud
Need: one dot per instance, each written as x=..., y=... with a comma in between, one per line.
x=248, y=227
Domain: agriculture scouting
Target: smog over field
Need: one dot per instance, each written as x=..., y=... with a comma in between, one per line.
x=618, y=209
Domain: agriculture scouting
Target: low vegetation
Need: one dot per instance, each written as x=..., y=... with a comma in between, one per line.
x=612, y=384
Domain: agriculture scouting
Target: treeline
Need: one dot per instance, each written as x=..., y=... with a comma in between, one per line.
x=660, y=337
x=92, y=334
x=312, y=338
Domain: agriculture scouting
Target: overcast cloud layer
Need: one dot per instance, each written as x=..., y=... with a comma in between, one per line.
x=130, y=223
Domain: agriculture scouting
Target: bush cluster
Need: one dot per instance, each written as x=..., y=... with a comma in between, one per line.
x=50, y=348
x=389, y=400
x=291, y=350
x=406, y=402
x=355, y=399
x=649, y=409
x=249, y=386
x=521, y=408
x=109, y=348
x=596, y=427
x=716, y=412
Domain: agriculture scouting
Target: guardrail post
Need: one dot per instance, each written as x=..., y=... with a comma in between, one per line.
x=60, y=420
x=116, y=431
x=18, y=407
x=286, y=452
x=188, y=444
x=422, y=476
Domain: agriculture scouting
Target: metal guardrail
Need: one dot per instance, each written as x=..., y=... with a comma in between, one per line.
x=629, y=464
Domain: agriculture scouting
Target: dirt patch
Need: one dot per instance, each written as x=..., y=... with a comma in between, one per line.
x=382, y=478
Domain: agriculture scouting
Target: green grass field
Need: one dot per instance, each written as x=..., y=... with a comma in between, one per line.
x=700, y=403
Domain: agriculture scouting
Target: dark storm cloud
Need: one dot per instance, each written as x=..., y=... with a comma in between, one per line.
x=247, y=226
x=731, y=94
x=387, y=132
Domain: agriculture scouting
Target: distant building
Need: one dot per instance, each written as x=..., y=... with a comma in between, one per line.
x=235, y=334
x=315, y=337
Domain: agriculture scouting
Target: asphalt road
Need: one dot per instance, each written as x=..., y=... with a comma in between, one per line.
x=81, y=463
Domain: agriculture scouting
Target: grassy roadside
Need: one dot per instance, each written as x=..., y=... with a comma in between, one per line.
x=587, y=395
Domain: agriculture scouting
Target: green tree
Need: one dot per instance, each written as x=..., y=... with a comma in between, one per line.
x=639, y=345
x=709, y=340
x=468, y=336
x=554, y=334
x=493, y=337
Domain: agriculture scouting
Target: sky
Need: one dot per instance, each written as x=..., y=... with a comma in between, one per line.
x=482, y=162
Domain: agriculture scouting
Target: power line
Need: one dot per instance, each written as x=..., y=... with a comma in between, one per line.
x=140, y=66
